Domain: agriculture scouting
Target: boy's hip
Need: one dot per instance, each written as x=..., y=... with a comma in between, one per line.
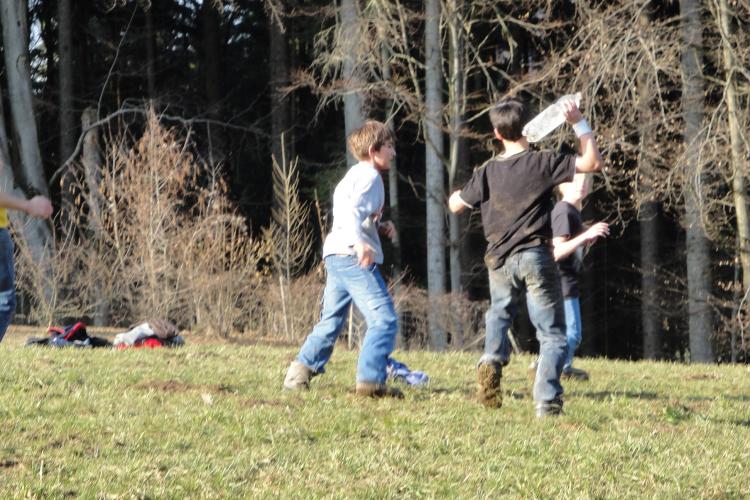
x=498, y=255
x=531, y=268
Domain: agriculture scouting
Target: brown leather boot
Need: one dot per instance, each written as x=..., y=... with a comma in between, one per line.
x=371, y=390
x=489, y=393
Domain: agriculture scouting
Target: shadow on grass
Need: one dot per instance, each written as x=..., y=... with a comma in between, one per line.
x=737, y=398
x=602, y=395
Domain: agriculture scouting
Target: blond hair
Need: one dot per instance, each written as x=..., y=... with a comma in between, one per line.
x=371, y=133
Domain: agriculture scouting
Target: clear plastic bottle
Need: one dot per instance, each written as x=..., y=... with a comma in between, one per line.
x=549, y=119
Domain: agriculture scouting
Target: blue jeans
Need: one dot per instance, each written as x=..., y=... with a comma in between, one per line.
x=346, y=282
x=532, y=271
x=573, y=328
x=7, y=282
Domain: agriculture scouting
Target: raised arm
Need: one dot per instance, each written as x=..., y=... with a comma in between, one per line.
x=590, y=159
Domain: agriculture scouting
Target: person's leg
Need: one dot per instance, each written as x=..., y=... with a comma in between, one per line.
x=572, y=328
x=547, y=313
x=499, y=316
x=7, y=282
x=318, y=347
x=370, y=295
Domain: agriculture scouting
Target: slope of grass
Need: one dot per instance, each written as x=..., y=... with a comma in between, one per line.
x=211, y=421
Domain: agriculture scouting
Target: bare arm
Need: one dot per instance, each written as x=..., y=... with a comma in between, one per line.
x=590, y=159
x=563, y=246
x=38, y=206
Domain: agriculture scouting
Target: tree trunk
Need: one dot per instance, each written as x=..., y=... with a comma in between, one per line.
x=700, y=318
x=457, y=96
x=648, y=218
x=279, y=68
x=353, y=100
x=212, y=49
x=150, y=52
x=648, y=221
x=434, y=172
x=92, y=161
x=15, y=48
x=67, y=118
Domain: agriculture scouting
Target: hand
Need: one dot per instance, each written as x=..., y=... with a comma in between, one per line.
x=571, y=112
x=598, y=230
x=40, y=207
x=387, y=228
x=365, y=254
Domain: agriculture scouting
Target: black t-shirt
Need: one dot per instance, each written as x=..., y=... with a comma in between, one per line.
x=515, y=196
x=566, y=222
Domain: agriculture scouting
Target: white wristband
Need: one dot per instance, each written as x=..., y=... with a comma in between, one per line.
x=582, y=128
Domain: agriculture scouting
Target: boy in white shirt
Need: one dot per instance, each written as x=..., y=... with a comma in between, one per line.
x=352, y=252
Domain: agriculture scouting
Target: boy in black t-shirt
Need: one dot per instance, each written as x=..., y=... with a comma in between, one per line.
x=569, y=239
x=514, y=192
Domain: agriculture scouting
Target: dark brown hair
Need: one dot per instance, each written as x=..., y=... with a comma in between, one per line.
x=509, y=116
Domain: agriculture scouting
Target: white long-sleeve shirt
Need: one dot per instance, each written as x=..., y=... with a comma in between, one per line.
x=357, y=207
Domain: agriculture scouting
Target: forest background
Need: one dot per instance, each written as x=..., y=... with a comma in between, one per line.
x=191, y=148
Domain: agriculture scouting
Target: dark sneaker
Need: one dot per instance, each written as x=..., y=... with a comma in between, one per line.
x=298, y=377
x=371, y=390
x=575, y=374
x=531, y=370
x=488, y=392
x=549, y=408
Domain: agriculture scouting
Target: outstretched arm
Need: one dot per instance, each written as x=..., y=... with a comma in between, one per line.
x=590, y=159
x=564, y=246
x=38, y=206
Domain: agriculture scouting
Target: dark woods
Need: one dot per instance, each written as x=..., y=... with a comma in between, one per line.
x=240, y=108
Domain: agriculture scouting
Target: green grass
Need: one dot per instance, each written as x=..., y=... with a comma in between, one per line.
x=211, y=421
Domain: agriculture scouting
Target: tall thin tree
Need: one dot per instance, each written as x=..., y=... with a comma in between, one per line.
x=212, y=49
x=279, y=68
x=65, y=70
x=457, y=105
x=700, y=317
x=434, y=170
x=353, y=99
x=648, y=216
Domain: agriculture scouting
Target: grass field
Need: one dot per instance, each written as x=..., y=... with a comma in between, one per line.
x=210, y=421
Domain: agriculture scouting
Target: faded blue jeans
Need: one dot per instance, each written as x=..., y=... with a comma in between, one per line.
x=532, y=271
x=7, y=282
x=346, y=282
x=573, y=329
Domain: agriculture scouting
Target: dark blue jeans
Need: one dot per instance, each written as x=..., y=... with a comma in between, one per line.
x=7, y=282
x=347, y=282
x=534, y=273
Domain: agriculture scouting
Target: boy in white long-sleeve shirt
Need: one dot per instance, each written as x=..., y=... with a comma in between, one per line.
x=352, y=252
